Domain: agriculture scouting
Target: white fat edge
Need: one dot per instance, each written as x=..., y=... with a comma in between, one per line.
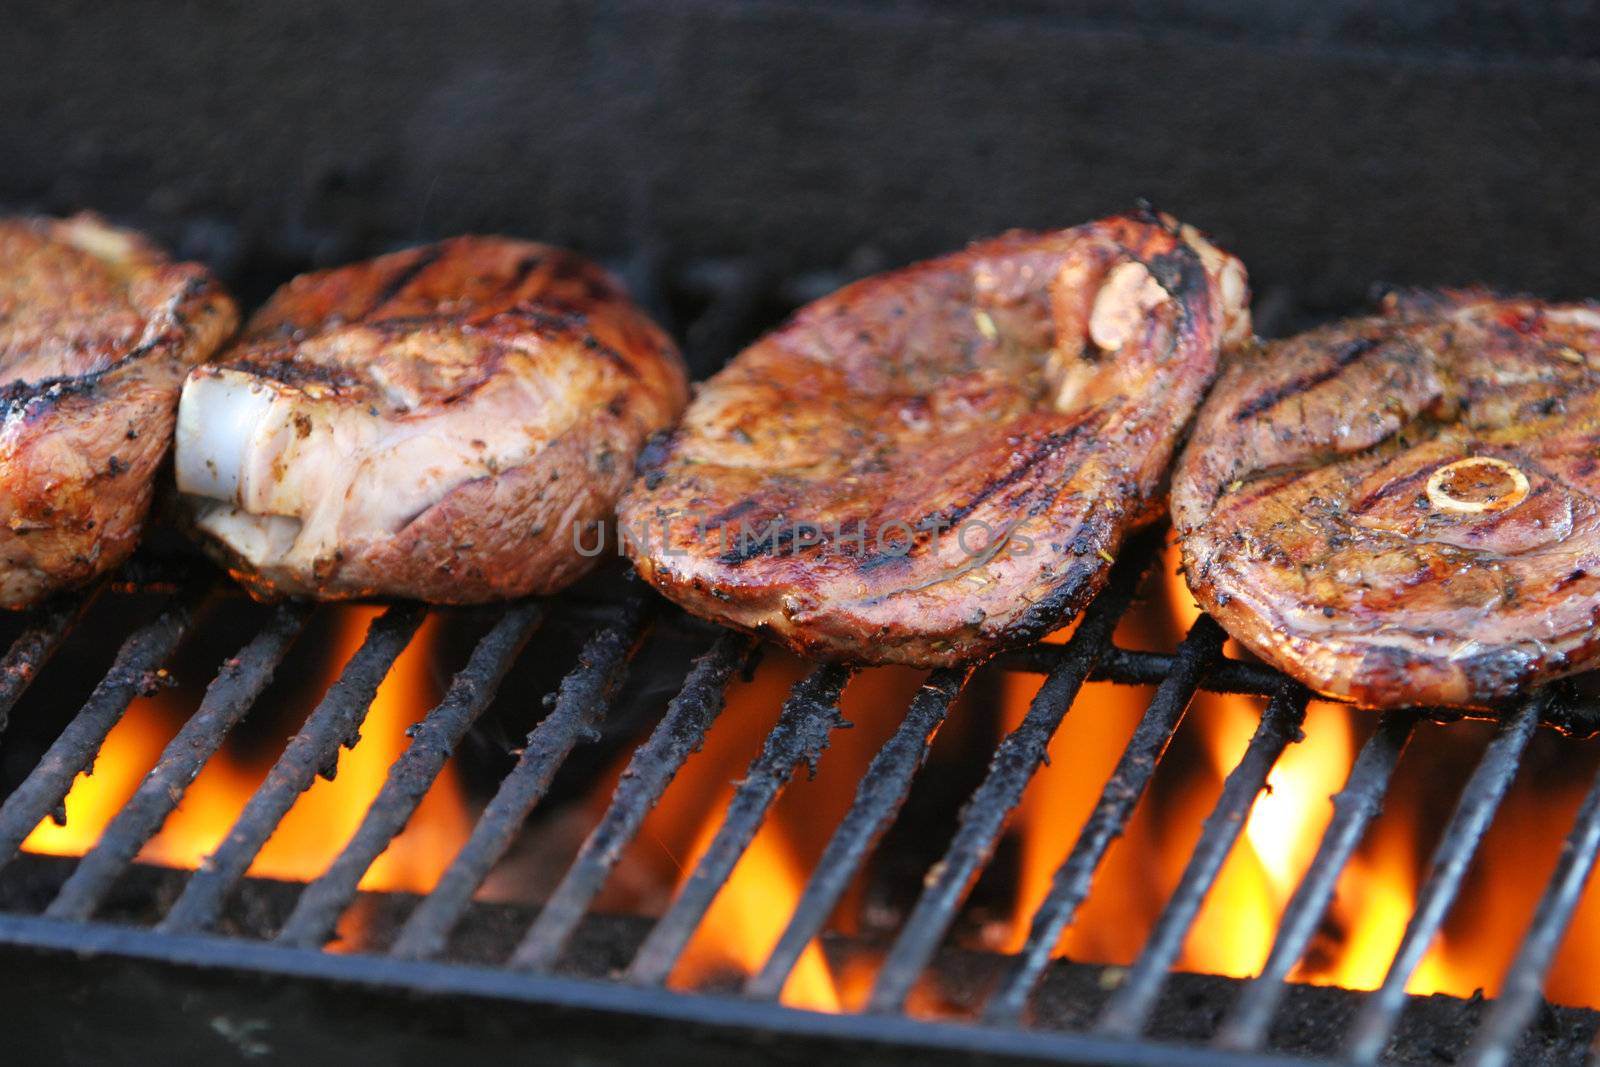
x=220, y=413
x=296, y=494
x=259, y=539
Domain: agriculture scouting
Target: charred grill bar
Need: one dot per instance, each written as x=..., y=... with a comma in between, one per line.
x=579, y=703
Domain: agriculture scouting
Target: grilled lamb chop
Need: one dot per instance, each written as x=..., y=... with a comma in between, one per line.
x=1401, y=510
x=935, y=463
x=97, y=329
x=431, y=424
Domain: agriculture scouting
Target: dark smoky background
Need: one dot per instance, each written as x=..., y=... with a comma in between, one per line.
x=1330, y=144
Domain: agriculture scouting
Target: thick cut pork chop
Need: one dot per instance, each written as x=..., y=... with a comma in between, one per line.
x=938, y=462
x=1401, y=509
x=439, y=423
x=97, y=330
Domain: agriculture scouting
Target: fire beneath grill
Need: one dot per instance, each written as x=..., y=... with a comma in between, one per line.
x=1232, y=933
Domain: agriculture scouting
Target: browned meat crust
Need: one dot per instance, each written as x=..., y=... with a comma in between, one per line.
x=939, y=462
x=435, y=424
x=1400, y=510
x=97, y=330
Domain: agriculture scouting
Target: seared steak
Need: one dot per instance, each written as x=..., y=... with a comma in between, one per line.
x=1401, y=510
x=938, y=462
x=97, y=330
x=435, y=424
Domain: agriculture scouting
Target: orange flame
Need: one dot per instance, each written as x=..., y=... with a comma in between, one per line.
x=323, y=818
x=1233, y=932
x=748, y=915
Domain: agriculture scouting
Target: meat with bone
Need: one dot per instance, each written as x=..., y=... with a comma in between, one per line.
x=1401, y=510
x=97, y=329
x=437, y=423
x=939, y=462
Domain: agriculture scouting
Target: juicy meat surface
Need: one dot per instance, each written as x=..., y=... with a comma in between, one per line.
x=97, y=330
x=438, y=424
x=1401, y=510
x=939, y=462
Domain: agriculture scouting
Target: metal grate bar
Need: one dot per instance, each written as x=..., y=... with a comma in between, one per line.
x=132, y=672
x=1474, y=811
x=580, y=706
x=1128, y=666
x=1524, y=985
x=433, y=739
x=230, y=695
x=35, y=645
x=653, y=766
x=1127, y=1011
x=1354, y=808
x=335, y=721
x=1106, y=823
x=1016, y=760
x=809, y=715
x=878, y=800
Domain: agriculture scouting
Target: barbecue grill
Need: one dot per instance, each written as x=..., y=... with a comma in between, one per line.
x=120, y=960
x=164, y=964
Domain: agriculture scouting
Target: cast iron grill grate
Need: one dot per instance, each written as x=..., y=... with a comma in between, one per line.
x=186, y=934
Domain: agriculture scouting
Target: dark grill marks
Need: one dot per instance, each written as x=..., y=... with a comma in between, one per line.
x=1041, y=451
x=1427, y=602
x=1181, y=274
x=914, y=403
x=1347, y=354
x=405, y=276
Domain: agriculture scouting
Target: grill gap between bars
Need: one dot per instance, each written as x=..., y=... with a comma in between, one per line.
x=132, y=672
x=1354, y=808
x=575, y=715
x=878, y=800
x=1016, y=760
x=231, y=694
x=1480, y=799
x=652, y=768
x=321, y=903
x=1129, y=1009
x=334, y=723
x=811, y=713
x=809, y=716
x=1071, y=883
